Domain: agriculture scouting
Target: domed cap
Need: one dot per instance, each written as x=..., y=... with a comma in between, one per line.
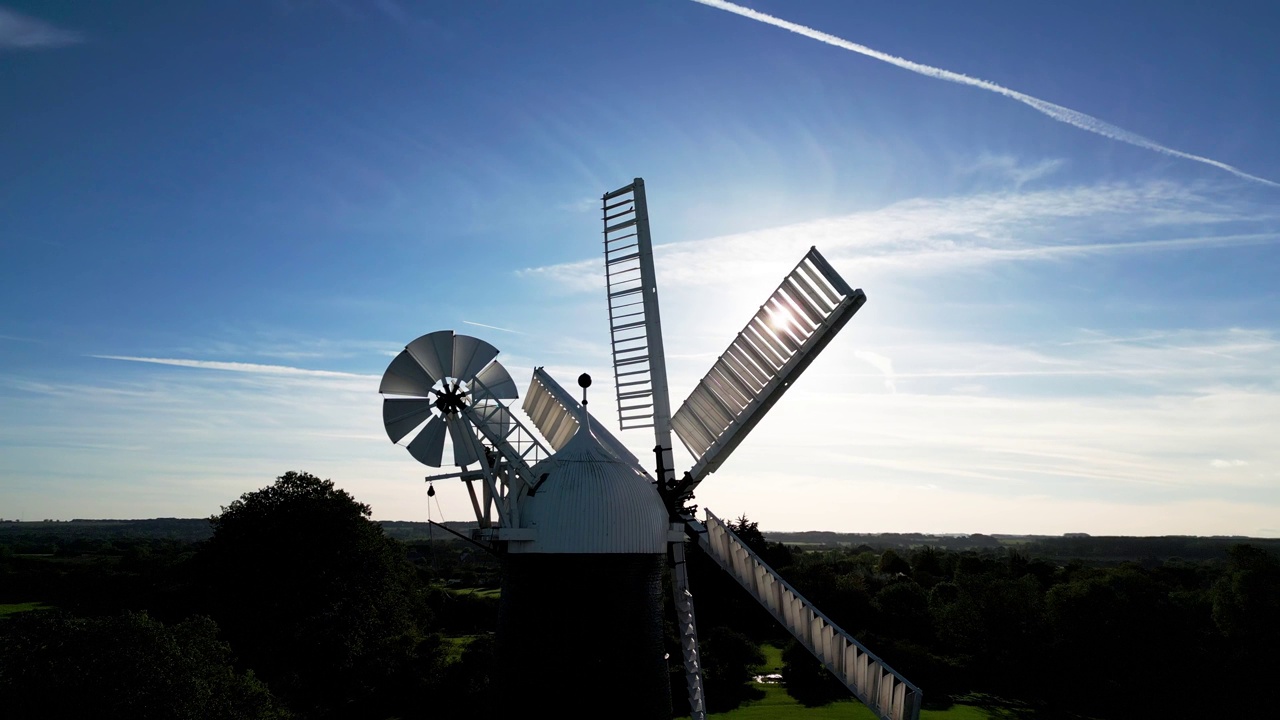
x=592, y=502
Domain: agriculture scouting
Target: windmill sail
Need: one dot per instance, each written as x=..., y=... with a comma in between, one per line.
x=798, y=320
x=640, y=373
x=888, y=694
x=635, y=327
x=552, y=410
x=557, y=416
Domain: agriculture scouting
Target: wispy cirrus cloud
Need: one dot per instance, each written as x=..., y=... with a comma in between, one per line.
x=1008, y=166
x=1172, y=361
x=241, y=367
x=1062, y=114
x=1155, y=427
x=929, y=235
x=185, y=442
x=1220, y=463
x=882, y=363
x=1052, y=464
x=21, y=32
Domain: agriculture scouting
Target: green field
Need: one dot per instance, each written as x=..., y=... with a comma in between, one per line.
x=11, y=608
x=452, y=646
x=478, y=592
x=772, y=659
x=778, y=705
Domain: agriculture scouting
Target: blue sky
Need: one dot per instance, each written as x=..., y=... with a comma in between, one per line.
x=218, y=223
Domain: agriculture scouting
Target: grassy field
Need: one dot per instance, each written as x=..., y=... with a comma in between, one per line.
x=454, y=645
x=11, y=608
x=772, y=659
x=778, y=705
x=478, y=592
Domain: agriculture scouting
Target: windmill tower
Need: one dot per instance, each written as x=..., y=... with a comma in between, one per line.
x=583, y=527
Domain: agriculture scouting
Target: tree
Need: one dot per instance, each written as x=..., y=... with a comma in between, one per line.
x=314, y=596
x=807, y=680
x=57, y=665
x=891, y=563
x=1246, y=599
x=749, y=533
x=903, y=611
x=1246, y=610
x=729, y=661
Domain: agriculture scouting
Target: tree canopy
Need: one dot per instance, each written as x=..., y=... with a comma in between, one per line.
x=57, y=665
x=313, y=595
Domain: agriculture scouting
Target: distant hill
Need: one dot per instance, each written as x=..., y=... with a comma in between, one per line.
x=1102, y=549
x=183, y=529
x=880, y=541
x=409, y=531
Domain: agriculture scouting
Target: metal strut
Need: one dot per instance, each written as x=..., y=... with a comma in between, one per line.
x=688, y=628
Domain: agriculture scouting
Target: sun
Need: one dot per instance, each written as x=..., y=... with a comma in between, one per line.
x=780, y=319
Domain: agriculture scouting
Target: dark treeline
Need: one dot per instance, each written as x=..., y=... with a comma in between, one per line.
x=1068, y=547
x=1106, y=639
x=49, y=536
x=291, y=602
x=295, y=605
x=81, y=536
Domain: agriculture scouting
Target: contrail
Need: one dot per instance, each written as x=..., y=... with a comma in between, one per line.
x=493, y=327
x=236, y=366
x=1057, y=112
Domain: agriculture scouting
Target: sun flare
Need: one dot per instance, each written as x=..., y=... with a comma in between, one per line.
x=780, y=320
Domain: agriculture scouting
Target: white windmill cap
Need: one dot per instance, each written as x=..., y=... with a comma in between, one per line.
x=592, y=502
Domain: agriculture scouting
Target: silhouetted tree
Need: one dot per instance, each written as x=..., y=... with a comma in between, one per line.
x=315, y=597
x=927, y=559
x=729, y=660
x=749, y=533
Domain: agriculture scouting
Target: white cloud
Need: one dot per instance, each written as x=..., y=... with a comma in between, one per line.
x=1080, y=429
x=20, y=32
x=580, y=206
x=184, y=443
x=1220, y=463
x=1133, y=444
x=573, y=277
x=934, y=235
x=1010, y=168
x=881, y=363
x=1191, y=360
x=1094, y=457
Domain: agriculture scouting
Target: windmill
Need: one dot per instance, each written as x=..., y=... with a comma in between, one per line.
x=583, y=528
